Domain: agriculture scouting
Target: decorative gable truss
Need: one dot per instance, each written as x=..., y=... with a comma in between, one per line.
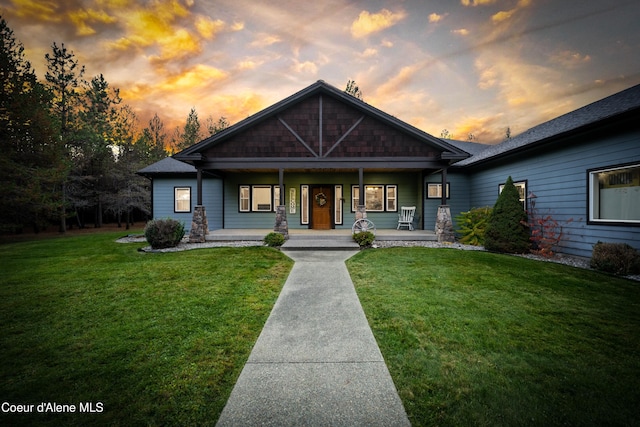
x=321, y=128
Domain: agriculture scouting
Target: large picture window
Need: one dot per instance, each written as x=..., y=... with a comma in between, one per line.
x=377, y=198
x=614, y=194
x=182, y=199
x=258, y=198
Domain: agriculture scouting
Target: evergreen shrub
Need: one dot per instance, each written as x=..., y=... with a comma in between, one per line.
x=616, y=258
x=507, y=229
x=164, y=233
x=472, y=225
x=364, y=238
x=274, y=239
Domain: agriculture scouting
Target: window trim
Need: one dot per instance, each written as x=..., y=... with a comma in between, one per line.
x=304, y=204
x=439, y=186
x=175, y=199
x=338, y=207
x=590, y=197
x=385, y=202
x=240, y=198
x=273, y=193
x=525, y=199
x=387, y=198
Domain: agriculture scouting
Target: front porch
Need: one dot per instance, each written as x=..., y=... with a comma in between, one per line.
x=318, y=239
x=295, y=234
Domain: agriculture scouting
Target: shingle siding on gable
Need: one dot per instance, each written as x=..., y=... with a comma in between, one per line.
x=559, y=180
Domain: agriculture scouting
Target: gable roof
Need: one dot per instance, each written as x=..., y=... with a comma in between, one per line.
x=472, y=148
x=610, y=107
x=168, y=165
x=447, y=151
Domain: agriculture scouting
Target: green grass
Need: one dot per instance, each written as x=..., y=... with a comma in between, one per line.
x=158, y=339
x=474, y=338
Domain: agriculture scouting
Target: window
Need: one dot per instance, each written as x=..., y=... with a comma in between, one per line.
x=377, y=198
x=261, y=198
x=392, y=197
x=614, y=195
x=304, y=204
x=434, y=191
x=337, y=213
x=182, y=199
x=374, y=198
x=521, y=186
x=258, y=198
x=276, y=196
x=244, y=198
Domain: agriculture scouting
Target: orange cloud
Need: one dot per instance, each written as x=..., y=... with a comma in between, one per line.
x=306, y=67
x=39, y=9
x=569, y=59
x=82, y=17
x=264, y=40
x=368, y=53
x=236, y=107
x=368, y=23
x=197, y=77
x=434, y=18
x=482, y=129
x=207, y=27
x=505, y=15
x=461, y=32
x=399, y=81
x=476, y=2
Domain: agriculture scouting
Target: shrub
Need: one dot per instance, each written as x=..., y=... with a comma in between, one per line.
x=274, y=239
x=164, y=233
x=507, y=229
x=546, y=231
x=616, y=258
x=472, y=225
x=364, y=238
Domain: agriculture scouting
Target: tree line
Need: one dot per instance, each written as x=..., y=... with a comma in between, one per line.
x=69, y=147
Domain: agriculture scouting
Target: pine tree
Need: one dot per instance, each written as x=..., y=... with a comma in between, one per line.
x=507, y=230
x=31, y=164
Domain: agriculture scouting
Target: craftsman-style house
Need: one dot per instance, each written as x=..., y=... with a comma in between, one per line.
x=321, y=158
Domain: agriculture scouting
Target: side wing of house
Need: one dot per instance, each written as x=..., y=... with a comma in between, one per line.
x=588, y=181
x=173, y=192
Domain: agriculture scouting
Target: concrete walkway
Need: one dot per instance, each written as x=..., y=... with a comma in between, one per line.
x=316, y=362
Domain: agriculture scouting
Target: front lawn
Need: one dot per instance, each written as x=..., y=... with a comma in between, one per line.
x=474, y=338
x=147, y=339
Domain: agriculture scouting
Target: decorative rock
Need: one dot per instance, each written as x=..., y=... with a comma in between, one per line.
x=444, y=225
x=199, y=225
x=282, y=225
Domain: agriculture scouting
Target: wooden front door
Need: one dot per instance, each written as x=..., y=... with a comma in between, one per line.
x=322, y=208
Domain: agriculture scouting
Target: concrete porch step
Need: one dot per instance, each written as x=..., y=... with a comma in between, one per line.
x=302, y=243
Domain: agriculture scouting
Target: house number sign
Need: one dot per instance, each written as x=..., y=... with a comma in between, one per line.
x=292, y=200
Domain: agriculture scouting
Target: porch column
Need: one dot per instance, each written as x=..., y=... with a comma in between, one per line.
x=361, y=211
x=199, y=223
x=444, y=223
x=281, y=225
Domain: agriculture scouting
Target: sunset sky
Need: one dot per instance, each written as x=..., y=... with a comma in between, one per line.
x=469, y=66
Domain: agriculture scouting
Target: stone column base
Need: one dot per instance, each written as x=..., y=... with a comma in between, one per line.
x=199, y=225
x=361, y=212
x=282, y=225
x=444, y=225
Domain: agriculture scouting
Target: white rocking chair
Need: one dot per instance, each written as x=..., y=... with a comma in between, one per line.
x=405, y=218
